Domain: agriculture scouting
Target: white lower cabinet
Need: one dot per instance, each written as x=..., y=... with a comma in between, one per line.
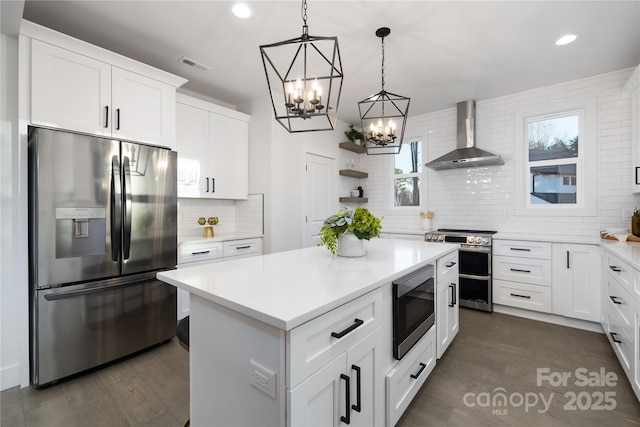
x=404, y=381
x=343, y=391
x=447, y=308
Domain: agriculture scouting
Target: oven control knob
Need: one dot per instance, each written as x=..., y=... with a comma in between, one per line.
x=427, y=238
x=478, y=240
x=469, y=240
x=440, y=238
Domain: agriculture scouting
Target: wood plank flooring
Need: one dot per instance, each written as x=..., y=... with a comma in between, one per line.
x=492, y=350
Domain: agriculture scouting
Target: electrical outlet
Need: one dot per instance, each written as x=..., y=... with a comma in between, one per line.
x=262, y=378
x=626, y=215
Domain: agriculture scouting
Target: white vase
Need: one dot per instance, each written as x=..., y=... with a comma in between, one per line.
x=426, y=224
x=349, y=245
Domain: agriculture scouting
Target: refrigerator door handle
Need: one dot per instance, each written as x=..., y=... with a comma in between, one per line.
x=126, y=190
x=116, y=208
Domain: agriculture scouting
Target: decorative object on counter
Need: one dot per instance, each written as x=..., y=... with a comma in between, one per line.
x=620, y=234
x=314, y=72
x=207, y=231
x=426, y=220
x=355, y=136
x=379, y=113
x=635, y=223
x=360, y=192
x=355, y=193
x=343, y=232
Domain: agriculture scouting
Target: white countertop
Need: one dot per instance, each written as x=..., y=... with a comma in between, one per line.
x=553, y=238
x=628, y=251
x=218, y=238
x=286, y=289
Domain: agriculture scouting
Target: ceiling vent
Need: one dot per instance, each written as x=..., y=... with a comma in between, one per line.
x=194, y=64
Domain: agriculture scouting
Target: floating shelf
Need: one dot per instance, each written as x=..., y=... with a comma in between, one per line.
x=353, y=200
x=353, y=173
x=353, y=147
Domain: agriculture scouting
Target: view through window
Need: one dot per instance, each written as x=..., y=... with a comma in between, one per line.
x=406, y=176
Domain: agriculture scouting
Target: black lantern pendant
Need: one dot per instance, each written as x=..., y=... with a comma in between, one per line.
x=384, y=115
x=304, y=76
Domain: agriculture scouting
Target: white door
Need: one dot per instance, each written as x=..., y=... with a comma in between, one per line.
x=320, y=193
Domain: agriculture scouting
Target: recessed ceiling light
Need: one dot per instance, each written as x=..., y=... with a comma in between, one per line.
x=566, y=39
x=241, y=10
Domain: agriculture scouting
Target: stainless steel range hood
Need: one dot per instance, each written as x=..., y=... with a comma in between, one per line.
x=467, y=155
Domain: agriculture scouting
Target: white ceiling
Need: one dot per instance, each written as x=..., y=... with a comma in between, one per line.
x=438, y=53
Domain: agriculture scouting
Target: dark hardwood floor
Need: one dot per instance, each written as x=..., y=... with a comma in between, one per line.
x=493, y=353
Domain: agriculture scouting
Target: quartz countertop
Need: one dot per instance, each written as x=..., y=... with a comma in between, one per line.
x=552, y=238
x=286, y=289
x=628, y=251
x=222, y=237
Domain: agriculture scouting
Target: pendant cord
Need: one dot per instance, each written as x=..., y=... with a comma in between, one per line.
x=382, y=68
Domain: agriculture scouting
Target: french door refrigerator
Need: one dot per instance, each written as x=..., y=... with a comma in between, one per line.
x=102, y=223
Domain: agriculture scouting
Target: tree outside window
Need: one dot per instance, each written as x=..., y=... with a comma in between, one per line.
x=406, y=177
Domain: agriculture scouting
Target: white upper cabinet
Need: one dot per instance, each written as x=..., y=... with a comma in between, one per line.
x=213, y=150
x=80, y=87
x=633, y=87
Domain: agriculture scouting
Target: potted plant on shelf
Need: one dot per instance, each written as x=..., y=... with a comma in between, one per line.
x=355, y=136
x=342, y=233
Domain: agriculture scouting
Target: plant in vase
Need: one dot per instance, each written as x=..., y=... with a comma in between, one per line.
x=635, y=223
x=359, y=222
x=354, y=135
x=207, y=231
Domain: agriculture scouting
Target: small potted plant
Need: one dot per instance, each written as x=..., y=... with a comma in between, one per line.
x=342, y=233
x=355, y=136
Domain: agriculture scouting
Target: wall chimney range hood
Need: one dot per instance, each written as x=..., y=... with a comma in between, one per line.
x=467, y=155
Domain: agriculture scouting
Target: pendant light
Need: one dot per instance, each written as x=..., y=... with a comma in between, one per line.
x=304, y=76
x=384, y=115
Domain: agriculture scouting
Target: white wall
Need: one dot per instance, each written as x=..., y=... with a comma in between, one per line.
x=13, y=287
x=485, y=197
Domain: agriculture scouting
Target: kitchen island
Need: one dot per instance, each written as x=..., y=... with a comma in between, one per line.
x=261, y=350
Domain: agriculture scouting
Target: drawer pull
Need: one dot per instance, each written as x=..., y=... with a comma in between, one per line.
x=243, y=247
x=417, y=374
x=357, y=407
x=613, y=337
x=347, y=397
x=451, y=264
x=200, y=253
x=356, y=324
x=520, y=271
x=612, y=298
x=615, y=268
x=520, y=296
x=521, y=249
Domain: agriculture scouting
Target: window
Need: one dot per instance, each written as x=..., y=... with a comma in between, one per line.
x=558, y=159
x=407, y=170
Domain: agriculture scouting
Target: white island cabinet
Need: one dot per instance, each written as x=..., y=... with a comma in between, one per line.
x=298, y=337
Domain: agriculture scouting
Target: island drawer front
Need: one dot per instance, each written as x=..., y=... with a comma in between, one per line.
x=311, y=346
x=619, y=269
x=405, y=380
x=620, y=341
x=621, y=303
x=242, y=247
x=523, y=249
x=522, y=295
x=199, y=251
x=447, y=264
x=524, y=270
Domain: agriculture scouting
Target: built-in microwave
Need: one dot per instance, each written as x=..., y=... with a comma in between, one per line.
x=413, y=308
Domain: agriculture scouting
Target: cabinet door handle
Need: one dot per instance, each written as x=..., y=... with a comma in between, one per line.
x=453, y=295
x=520, y=296
x=612, y=298
x=520, y=271
x=346, y=418
x=568, y=265
x=615, y=268
x=207, y=184
x=356, y=324
x=417, y=374
x=613, y=337
x=200, y=253
x=243, y=247
x=451, y=264
x=357, y=407
x=213, y=185
x=521, y=249
x=117, y=119
x=106, y=116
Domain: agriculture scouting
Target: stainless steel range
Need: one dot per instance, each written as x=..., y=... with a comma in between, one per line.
x=475, y=264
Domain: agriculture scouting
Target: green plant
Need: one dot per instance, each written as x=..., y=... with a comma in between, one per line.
x=352, y=134
x=360, y=221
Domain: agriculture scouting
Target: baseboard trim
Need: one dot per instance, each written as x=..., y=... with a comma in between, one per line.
x=10, y=376
x=549, y=318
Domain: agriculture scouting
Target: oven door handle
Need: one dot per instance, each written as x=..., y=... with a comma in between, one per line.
x=478, y=249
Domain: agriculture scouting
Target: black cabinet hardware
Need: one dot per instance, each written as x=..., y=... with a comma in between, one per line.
x=615, y=268
x=357, y=406
x=453, y=295
x=612, y=298
x=520, y=296
x=106, y=116
x=567, y=259
x=521, y=249
x=356, y=324
x=613, y=337
x=207, y=184
x=243, y=247
x=417, y=374
x=117, y=119
x=520, y=270
x=200, y=253
x=451, y=264
x=346, y=418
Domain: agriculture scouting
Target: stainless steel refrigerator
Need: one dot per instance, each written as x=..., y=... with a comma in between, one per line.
x=102, y=223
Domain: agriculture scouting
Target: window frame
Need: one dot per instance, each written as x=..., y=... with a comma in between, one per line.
x=391, y=177
x=586, y=161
